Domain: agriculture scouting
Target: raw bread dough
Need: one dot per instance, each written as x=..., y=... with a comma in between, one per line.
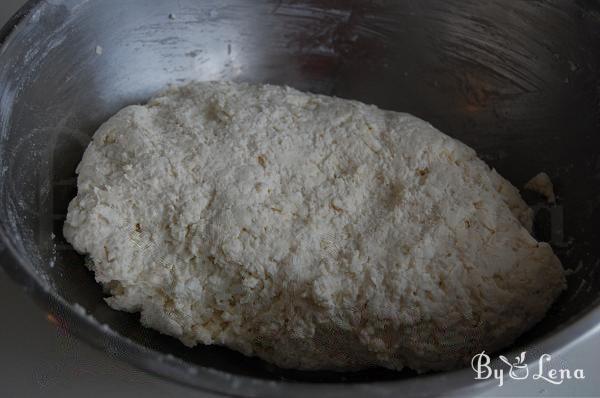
x=313, y=232
x=542, y=184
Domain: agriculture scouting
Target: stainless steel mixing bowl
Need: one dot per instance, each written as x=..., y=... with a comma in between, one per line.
x=516, y=80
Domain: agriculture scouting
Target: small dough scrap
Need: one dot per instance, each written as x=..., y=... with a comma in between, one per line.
x=310, y=231
x=542, y=184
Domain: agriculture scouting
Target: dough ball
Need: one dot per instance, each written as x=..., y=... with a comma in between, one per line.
x=310, y=231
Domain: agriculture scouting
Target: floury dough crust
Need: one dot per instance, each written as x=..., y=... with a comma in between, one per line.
x=313, y=232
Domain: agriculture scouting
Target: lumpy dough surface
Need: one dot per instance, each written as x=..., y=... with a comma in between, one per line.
x=310, y=231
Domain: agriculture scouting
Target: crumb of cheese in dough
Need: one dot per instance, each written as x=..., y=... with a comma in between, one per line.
x=311, y=231
x=542, y=184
